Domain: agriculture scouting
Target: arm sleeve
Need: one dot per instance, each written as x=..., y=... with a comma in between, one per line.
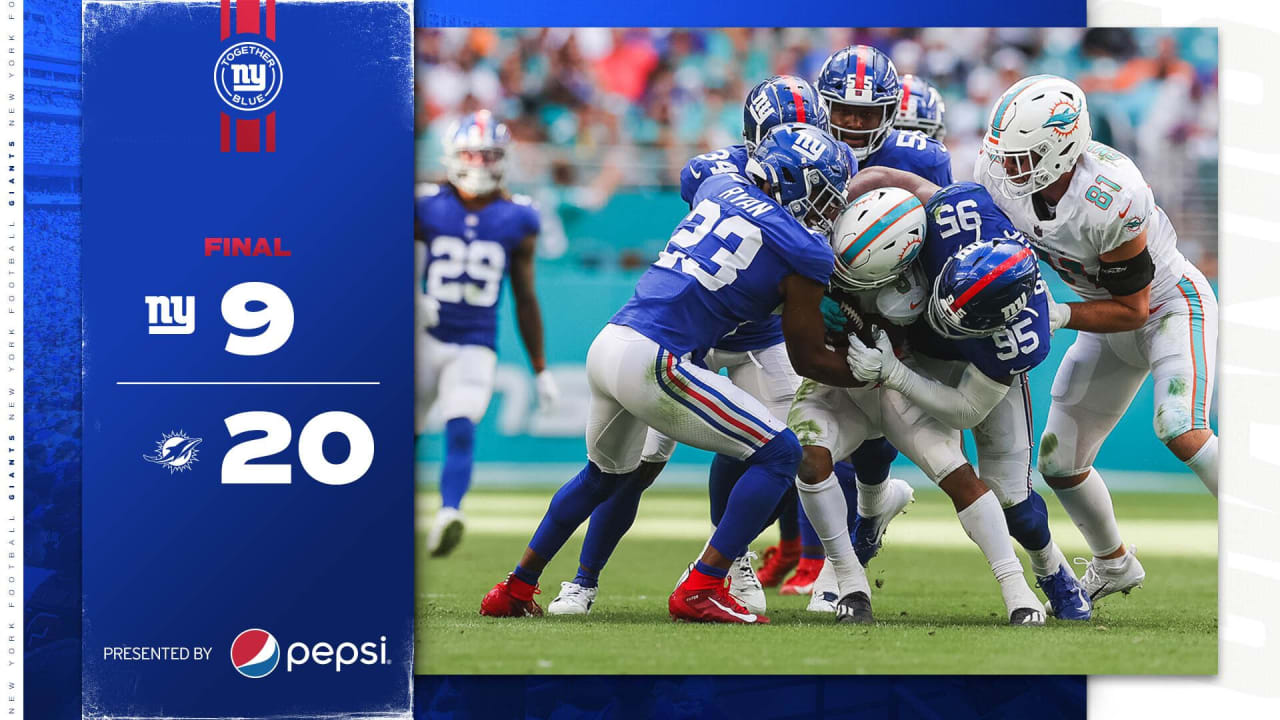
x=960, y=407
x=942, y=169
x=1125, y=218
x=688, y=183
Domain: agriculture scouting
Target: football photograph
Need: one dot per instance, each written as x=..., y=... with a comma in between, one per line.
x=898, y=343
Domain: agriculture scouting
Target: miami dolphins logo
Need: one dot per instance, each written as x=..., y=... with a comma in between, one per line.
x=1063, y=119
x=1134, y=223
x=176, y=451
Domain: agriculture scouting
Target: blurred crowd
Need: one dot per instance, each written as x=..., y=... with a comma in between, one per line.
x=51, y=325
x=599, y=111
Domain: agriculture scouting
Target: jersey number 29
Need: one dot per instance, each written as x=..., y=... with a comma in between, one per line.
x=483, y=262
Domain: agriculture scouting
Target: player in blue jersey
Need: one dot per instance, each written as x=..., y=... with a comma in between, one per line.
x=878, y=239
x=755, y=358
x=974, y=365
x=864, y=94
x=749, y=245
x=471, y=234
x=921, y=108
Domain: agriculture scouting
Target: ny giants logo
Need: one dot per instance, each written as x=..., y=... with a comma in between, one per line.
x=761, y=108
x=247, y=76
x=809, y=145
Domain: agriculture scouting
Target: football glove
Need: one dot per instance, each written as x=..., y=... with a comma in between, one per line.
x=548, y=391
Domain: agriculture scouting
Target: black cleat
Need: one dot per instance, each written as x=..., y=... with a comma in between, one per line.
x=1027, y=616
x=855, y=608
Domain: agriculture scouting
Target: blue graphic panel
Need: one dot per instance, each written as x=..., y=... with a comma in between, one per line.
x=51, y=366
x=748, y=13
x=725, y=698
x=254, y=229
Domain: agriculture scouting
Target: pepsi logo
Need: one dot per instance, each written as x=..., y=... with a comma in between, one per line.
x=255, y=653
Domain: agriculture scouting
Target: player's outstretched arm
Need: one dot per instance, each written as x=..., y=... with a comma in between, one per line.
x=805, y=334
x=960, y=407
x=529, y=318
x=1126, y=273
x=874, y=178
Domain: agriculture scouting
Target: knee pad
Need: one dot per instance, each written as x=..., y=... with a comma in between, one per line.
x=1056, y=455
x=459, y=435
x=1172, y=418
x=783, y=450
x=1007, y=474
x=1029, y=522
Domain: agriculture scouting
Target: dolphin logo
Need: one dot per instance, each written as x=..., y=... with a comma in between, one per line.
x=1062, y=119
x=175, y=451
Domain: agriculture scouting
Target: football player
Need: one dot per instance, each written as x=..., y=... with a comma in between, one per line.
x=750, y=245
x=471, y=233
x=1145, y=309
x=864, y=95
x=875, y=243
x=755, y=357
x=921, y=108
x=974, y=369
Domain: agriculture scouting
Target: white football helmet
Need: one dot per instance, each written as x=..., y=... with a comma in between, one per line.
x=876, y=238
x=475, y=153
x=1036, y=131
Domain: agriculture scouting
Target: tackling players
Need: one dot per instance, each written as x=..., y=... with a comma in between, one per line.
x=748, y=246
x=1145, y=309
x=470, y=234
x=974, y=352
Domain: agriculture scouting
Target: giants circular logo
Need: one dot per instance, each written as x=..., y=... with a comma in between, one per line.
x=248, y=76
x=255, y=653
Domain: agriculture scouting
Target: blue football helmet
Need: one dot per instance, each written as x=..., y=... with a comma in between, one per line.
x=780, y=99
x=982, y=287
x=921, y=108
x=475, y=153
x=807, y=172
x=861, y=87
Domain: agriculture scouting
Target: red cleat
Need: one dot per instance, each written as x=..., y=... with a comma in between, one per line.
x=511, y=598
x=779, y=560
x=802, y=582
x=698, y=598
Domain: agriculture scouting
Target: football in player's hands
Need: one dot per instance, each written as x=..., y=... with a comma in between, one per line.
x=856, y=322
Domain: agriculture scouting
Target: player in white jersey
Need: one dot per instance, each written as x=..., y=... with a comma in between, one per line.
x=875, y=243
x=1092, y=217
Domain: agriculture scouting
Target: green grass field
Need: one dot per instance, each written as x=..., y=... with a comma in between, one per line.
x=938, y=606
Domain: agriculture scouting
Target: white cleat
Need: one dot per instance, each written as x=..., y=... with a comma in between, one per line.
x=868, y=533
x=573, y=599
x=446, y=531
x=1023, y=606
x=826, y=591
x=1104, y=577
x=744, y=585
